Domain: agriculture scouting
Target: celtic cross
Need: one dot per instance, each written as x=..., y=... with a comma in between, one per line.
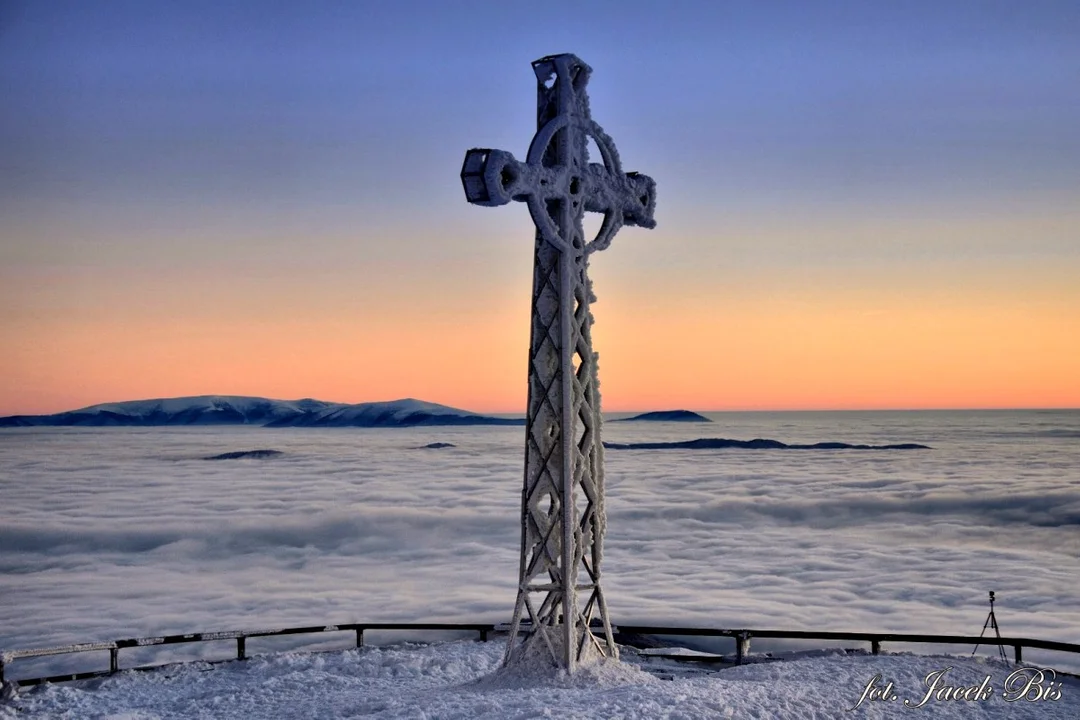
x=559, y=600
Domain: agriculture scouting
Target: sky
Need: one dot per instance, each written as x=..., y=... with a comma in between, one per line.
x=860, y=205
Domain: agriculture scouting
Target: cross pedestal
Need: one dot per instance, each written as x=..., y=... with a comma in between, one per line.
x=560, y=606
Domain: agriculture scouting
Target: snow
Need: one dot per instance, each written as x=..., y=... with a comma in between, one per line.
x=462, y=680
x=246, y=405
x=243, y=410
x=175, y=406
x=397, y=410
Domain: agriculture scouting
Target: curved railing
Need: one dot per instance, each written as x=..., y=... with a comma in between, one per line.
x=741, y=636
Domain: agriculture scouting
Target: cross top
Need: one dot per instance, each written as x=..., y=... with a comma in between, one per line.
x=557, y=181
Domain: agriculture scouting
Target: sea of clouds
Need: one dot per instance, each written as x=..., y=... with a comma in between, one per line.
x=108, y=533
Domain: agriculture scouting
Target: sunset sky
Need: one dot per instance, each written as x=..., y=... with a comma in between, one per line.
x=860, y=204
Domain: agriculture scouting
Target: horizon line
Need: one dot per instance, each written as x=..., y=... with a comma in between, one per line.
x=522, y=412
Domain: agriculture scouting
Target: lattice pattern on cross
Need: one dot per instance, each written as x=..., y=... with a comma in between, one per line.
x=562, y=511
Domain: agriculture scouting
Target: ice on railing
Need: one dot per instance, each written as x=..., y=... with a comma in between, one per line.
x=10, y=655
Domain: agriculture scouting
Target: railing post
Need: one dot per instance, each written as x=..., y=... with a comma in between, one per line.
x=1, y=671
x=359, y=637
x=875, y=647
x=114, y=660
x=483, y=636
x=241, y=650
x=1019, y=655
x=742, y=647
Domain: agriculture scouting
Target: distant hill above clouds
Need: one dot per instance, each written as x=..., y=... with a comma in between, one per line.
x=666, y=416
x=240, y=410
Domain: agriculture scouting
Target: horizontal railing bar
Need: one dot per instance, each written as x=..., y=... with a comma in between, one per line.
x=63, y=678
x=105, y=673
x=704, y=659
x=65, y=650
x=175, y=639
x=476, y=627
x=234, y=634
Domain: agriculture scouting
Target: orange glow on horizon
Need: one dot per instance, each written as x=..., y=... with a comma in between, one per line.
x=783, y=344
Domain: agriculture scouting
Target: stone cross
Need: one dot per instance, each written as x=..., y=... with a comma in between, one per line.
x=560, y=601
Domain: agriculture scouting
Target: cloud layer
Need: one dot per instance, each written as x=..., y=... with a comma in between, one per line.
x=109, y=533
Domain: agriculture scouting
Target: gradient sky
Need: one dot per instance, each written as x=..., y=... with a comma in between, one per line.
x=860, y=204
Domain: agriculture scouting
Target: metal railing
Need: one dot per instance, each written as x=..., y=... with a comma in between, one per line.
x=741, y=636
x=240, y=636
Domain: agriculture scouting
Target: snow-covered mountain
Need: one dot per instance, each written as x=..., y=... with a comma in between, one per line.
x=240, y=410
x=396, y=413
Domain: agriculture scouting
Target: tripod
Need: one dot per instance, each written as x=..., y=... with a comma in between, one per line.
x=991, y=621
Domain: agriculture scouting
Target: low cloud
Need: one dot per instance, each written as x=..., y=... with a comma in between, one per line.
x=118, y=533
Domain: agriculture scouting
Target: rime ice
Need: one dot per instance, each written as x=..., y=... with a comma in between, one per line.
x=563, y=500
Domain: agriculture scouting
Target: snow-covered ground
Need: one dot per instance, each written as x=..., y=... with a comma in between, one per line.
x=462, y=680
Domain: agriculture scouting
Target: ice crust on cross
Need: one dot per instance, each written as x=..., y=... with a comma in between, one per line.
x=562, y=515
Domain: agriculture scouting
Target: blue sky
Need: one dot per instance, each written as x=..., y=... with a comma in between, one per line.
x=257, y=97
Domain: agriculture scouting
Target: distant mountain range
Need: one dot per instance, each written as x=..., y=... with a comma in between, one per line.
x=239, y=410
x=265, y=412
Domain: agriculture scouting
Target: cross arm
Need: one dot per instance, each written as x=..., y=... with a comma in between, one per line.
x=494, y=177
x=633, y=194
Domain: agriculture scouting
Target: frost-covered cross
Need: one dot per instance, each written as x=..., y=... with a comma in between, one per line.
x=560, y=601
